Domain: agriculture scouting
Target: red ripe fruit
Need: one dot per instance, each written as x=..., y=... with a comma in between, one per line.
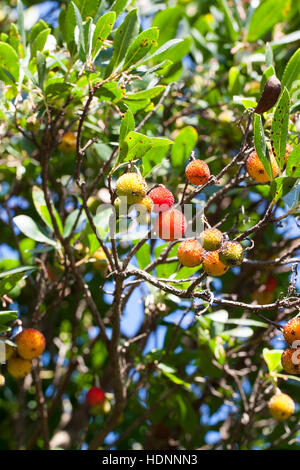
x=95, y=396
x=162, y=199
x=197, y=172
x=271, y=284
x=170, y=225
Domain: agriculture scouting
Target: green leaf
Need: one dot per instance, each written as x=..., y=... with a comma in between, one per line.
x=269, y=55
x=14, y=37
x=8, y=283
x=281, y=186
x=118, y=6
x=40, y=41
x=67, y=26
x=173, y=50
x=41, y=68
x=9, y=61
x=153, y=158
x=21, y=23
x=8, y=316
x=102, y=31
x=37, y=28
x=293, y=163
x=87, y=7
x=167, y=21
x=291, y=71
x=162, y=51
x=80, y=40
x=127, y=125
x=260, y=144
x=41, y=207
x=146, y=94
x=20, y=269
x=183, y=146
x=70, y=221
x=230, y=22
x=219, y=316
x=111, y=91
x=273, y=358
x=279, y=127
x=144, y=43
x=239, y=332
x=136, y=146
x=30, y=228
x=124, y=36
x=169, y=372
x=265, y=17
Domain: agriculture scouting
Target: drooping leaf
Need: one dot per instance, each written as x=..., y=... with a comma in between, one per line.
x=41, y=207
x=40, y=41
x=144, y=43
x=9, y=61
x=102, y=31
x=279, y=127
x=266, y=15
x=123, y=38
x=260, y=144
x=281, y=186
x=127, y=125
x=293, y=163
x=30, y=228
x=291, y=71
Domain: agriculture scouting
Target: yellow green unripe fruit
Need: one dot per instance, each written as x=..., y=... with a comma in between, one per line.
x=19, y=367
x=2, y=380
x=31, y=343
x=231, y=253
x=68, y=143
x=211, y=239
x=281, y=406
x=132, y=186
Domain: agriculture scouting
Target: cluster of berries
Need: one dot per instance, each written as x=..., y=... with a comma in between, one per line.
x=216, y=254
x=282, y=406
x=30, y=344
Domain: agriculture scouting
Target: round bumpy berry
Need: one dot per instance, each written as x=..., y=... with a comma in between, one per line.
x=197, y=172
x=31, y=343
x=231, y=254
x=281, y=406
x=162, y=199
x=170, y=225
x=256, y=169
x=18, y=367
x=148, y=203
x=290, y=361
x=190, y=253
x=68, y=143
x=132, y=186
x=212, y=264
x=291, y=331
x=211, y=239
x=95, y=396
